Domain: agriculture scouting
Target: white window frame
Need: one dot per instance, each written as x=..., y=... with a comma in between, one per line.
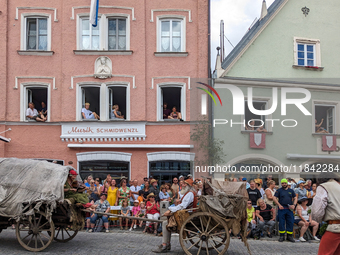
x=23, y=32
x=268, y=101
x=118, y=84
x=24, y=87
x=317, y=50
x=79, y=99
x=160, y=98
x=181, y=18
x=104, y=98
x=336, y=120
x=79, y=31
x=103, y=22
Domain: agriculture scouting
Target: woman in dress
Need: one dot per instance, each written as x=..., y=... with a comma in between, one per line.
x=175, y=114
x=170, y=191
x=124, y=192
x=112, y=196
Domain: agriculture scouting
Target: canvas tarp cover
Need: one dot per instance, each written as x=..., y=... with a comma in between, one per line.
x=25, y=181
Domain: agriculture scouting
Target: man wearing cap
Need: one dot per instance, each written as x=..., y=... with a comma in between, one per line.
x=286, y=199
x=189, y=200
x=71, y=192
x=154, y=189
x=247, y=183
x=326, y=207
x=189, y=176
x=87, y=114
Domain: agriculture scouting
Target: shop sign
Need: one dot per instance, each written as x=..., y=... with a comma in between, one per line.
x=102, y=130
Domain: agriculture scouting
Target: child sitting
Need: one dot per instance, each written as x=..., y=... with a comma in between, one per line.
x=142, y=213
x=135, y=212
x=140, y=196
x=125, y=211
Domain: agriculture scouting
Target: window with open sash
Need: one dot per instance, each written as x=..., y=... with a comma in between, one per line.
x=324, y=119
x=117, y=97
x=91, y=95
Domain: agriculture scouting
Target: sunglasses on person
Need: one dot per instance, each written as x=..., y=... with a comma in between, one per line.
x=249, y=202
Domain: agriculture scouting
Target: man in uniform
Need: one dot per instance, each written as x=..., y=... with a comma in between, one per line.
x=326, y=207
x=286, y=199
x=189, y=200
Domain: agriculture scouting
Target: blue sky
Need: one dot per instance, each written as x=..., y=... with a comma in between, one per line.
x=238, y=15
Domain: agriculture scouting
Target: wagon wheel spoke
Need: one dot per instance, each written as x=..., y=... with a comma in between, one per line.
x=214, y=240
x=42, y=243
x=62, y=234
x=195, y=226
x=26, y=237
x=56, y=236
x=43, y=225
x=44, y=236
x=202, y=226
x=206, y=248
x=213, y=228
x=206, y=229
x=187, y=239
x=39, y=219
x=217, y=234
x=214, y=247
x=34, y=220
x=30, y=240
x=194, y=244
x=67, y=232
x=199, y=250
x=191, y=231
x=36, y=241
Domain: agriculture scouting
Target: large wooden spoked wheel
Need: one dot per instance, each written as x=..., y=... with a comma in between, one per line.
x=204, y=232
x=33, y=232
x=64, y=233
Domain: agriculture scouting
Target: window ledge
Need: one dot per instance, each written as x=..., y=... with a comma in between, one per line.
x=117, y=119
x=321, y=134
x=313, y=68
x=101, y=52
x=172, y=120
x=35, y=52
x=89, y=120
x=171, y=54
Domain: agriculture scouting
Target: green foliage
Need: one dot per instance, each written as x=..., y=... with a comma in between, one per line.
x=211, y=149
x=322, y=230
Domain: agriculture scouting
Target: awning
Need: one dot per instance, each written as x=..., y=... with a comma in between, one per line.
x=4, y=139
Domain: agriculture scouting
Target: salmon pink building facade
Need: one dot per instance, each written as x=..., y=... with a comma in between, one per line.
x=141, y=55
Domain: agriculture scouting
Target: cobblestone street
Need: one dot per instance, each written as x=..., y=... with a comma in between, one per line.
x=125, y=243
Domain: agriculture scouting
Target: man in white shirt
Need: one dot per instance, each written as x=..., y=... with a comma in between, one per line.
x=32, y=113
x=326, y=207
x=188, y=201
x=87, y=114
x=134, y=192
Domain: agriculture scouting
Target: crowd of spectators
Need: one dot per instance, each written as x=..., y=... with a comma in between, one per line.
x=132, y=199
x=268, y=204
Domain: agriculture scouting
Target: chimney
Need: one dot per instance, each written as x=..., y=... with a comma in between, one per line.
x=264, y=10
x=218, y=67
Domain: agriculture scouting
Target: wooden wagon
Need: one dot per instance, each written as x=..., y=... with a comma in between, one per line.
x=206, y=230
x=32, y=199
